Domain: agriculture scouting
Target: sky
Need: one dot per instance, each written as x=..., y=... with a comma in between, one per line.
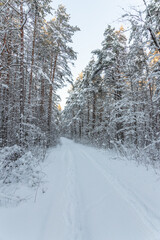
x=92, y=17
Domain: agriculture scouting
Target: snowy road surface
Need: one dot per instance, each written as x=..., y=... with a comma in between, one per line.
x=91, y=195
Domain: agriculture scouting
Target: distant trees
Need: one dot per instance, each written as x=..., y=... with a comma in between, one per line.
x=116, y=102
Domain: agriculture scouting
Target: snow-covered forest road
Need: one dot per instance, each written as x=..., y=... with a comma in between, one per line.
x=91, y=195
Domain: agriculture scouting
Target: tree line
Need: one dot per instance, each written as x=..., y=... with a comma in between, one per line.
x=115, y=101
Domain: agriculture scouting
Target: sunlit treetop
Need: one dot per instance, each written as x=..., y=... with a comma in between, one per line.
x=81, y=75
x=59, y=108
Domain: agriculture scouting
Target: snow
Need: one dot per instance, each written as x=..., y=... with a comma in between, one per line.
x=90, y=194
x=5, y=86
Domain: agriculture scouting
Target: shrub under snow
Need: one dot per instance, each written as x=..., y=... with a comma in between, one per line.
x=19, y=166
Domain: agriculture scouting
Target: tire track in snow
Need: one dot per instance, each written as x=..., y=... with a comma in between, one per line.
x=72, y=213
x=49, y=215
x=143, y=212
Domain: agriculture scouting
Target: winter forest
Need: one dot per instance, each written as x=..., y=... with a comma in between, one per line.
x=114, y=104
x=115, y=101
x=34, y=63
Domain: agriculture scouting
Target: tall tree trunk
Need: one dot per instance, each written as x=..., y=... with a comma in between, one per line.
x=22, y=93
x=33, y=58
x=5, y=111
x=51, y=96
x=93, y=116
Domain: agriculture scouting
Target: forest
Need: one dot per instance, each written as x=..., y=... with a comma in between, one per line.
x=90, y=171
x=114, y=102
x=35, y=59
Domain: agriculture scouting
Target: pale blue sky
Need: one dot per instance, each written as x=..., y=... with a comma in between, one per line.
x=92, y=17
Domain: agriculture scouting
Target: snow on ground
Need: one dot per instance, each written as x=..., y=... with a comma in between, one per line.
x=91, y=195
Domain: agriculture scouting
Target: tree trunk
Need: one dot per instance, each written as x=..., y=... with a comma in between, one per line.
x=22, y=93
x=51, y=98
x=33, y=59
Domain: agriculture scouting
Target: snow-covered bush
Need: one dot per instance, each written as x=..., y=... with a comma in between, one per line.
x=17, y=166
x=149, y=155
